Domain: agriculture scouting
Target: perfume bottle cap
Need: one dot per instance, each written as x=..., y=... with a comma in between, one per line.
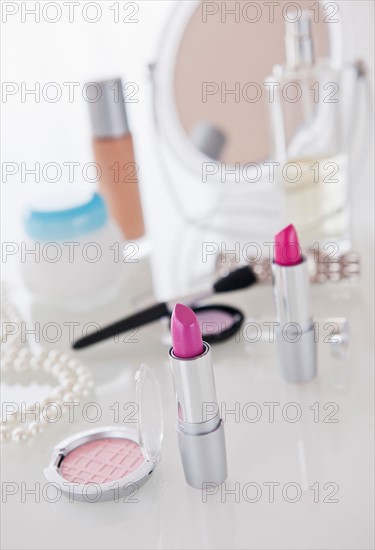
x=299, y=25
x=107, y=109
x=298, y=40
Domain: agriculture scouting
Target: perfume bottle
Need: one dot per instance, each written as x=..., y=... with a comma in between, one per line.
x=308, y=134
x=114, y=153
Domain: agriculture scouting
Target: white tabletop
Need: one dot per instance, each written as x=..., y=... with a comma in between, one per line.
x=324, y=460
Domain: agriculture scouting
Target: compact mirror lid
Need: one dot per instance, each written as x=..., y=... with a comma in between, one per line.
x=150, y=413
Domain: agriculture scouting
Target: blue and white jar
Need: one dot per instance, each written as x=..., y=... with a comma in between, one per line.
x=73, y=253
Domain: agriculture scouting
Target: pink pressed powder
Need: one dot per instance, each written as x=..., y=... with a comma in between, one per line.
x=215, y=321
x=102, y=461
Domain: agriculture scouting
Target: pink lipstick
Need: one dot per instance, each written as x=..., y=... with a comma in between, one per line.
x=186, y=333
x=200, y=429
x=287, y=248
x=295, y=338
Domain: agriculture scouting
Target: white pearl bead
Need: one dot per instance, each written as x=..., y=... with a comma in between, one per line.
x=44, y=423
x=70, y=397
x=67, y=384
x=6, y=364
x=47, y=366
x=53, y=355
x=66, y=375
x=35, y=364
x=19, y=435
x=52, y=402
x=58, y=369
x=80, y=390
x=86, y=382
x=84, y=378
x=64, y=358
x=52, y=412
x=81, y=370
x=5, y=433
x=57, y=393
x=25, y=353
x=36, y=428
x=12, y=353
x=20, y=365
x=45, y=401
x=48, y=411
x=74, y=381
x=73, y=363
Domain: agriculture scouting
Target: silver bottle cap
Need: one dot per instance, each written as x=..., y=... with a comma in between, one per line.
x=107, y=109
x=208, y=139
x=298, y=40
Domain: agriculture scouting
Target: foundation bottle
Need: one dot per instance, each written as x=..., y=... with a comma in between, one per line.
x=114, y=153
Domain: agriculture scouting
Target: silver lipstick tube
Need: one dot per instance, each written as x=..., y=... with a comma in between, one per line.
x=295, y=335
x=201, y=441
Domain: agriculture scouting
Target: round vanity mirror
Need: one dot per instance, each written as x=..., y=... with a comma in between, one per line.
x=216, y=133
x=211, y=97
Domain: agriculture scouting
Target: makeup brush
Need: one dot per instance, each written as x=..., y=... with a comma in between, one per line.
x=243, y=277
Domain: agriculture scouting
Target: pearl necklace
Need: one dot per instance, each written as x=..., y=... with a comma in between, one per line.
x=73, y=380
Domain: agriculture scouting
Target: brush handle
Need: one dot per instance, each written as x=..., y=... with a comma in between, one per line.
x=139, y=319
x=240, y=278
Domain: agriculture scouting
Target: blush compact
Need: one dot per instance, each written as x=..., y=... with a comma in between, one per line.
x=218, y=322
x=112, y=462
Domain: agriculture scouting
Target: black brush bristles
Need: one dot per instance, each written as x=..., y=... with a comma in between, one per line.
x=243, y=277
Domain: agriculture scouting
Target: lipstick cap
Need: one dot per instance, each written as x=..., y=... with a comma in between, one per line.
x=107, y=109
x=203, y=456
